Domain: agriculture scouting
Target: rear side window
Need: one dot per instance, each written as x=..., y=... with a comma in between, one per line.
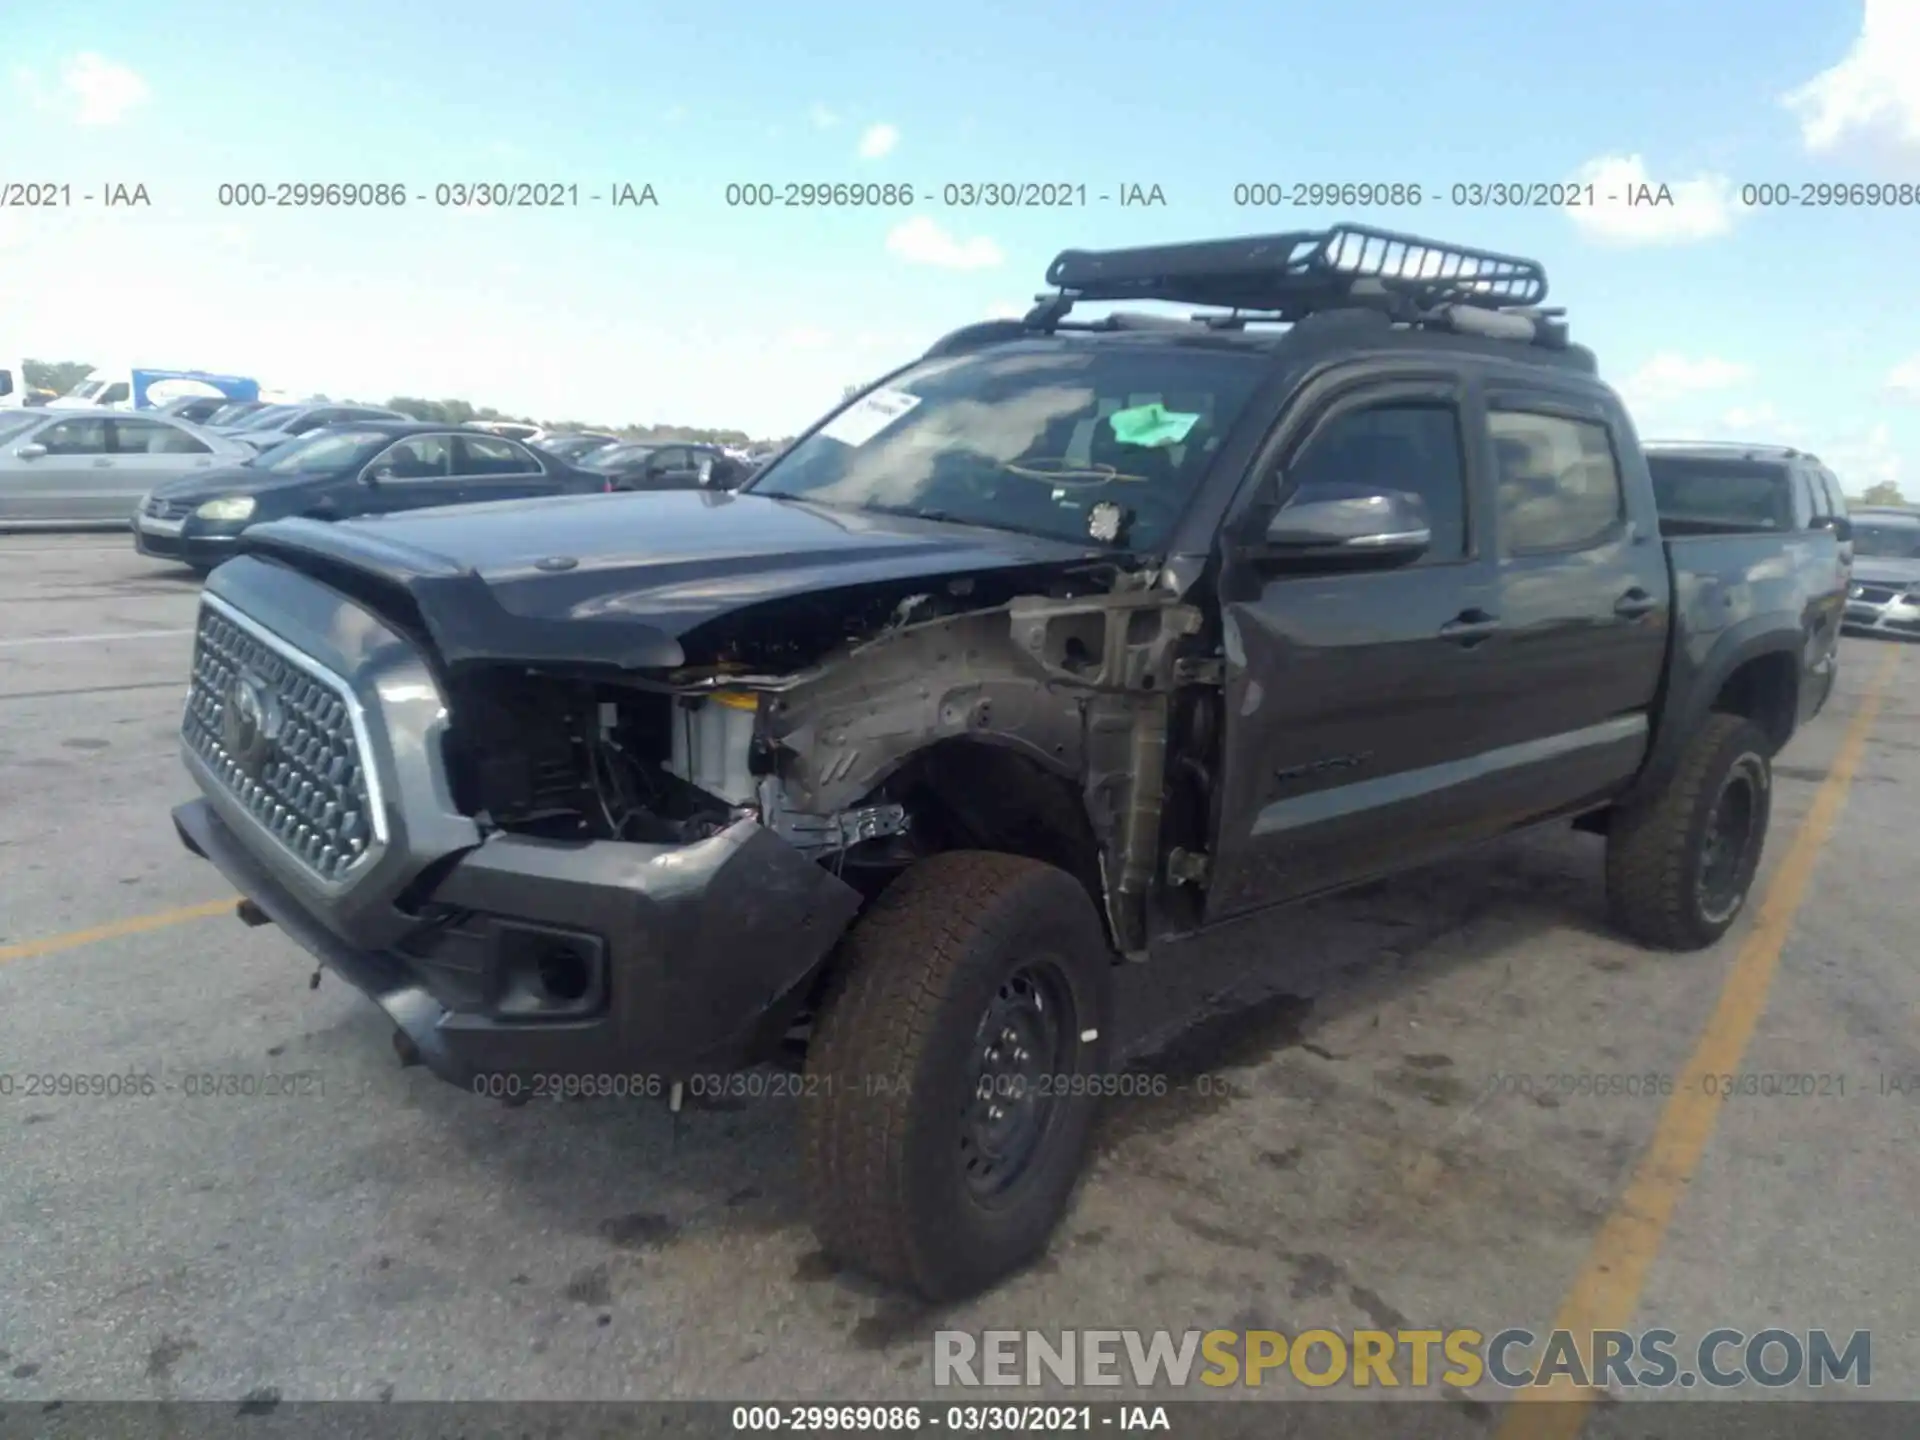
x=1559, y=484
x=1702, y=493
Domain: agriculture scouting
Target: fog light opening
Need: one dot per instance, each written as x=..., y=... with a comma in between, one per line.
x=564, y=974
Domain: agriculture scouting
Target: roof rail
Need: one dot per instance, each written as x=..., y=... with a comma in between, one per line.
x=1744, y=447
x=1294, y=274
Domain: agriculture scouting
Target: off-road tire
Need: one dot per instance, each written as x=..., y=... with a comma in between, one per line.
x=1656, y=849
x=887, y=1076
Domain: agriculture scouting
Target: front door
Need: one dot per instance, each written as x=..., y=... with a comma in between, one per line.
x=73, y=482
x=1354, y=699
x=411, y=474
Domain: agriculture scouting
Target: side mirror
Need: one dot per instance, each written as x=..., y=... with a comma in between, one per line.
x=376, y=477
x=1348, y=522
x=32, y=450
x=1840, y=525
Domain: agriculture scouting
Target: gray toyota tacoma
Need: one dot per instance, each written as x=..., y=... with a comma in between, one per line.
x=1070, y=638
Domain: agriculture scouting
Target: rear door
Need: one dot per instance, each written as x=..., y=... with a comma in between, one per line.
x=149, y=450
x=73, y=481
x=412, y=474
x=492, y=467
x=1354, y=700
x=1584, y=595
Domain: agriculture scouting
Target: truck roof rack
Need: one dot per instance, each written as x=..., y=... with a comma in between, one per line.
x=1289, y=276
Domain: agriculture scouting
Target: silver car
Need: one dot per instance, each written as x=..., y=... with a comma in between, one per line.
x=304, y=419
x=1884, y=596
x=89, y=468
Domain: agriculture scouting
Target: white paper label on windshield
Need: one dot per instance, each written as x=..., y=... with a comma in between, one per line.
x=867, y=417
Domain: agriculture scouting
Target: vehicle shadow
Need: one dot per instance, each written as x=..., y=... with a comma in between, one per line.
x=635, y=1184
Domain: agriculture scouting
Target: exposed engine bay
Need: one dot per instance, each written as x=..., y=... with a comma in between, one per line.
x=871, y=756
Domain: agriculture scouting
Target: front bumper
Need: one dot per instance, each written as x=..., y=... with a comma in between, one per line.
x=685, y=959
x=1894, y=617
x=499, y=954
x=183, y=541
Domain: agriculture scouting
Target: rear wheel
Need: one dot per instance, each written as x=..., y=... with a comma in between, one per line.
x=953, y=1074
x=1680, y=864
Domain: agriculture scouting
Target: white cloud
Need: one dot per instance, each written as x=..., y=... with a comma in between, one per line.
x=1904, y=381
x=675, y=114
x=1872, y=96
x=1667, y=213
x=921, y=241
x=1864, y=459
x=807, y=337
x=878, y=140
x=100, y=90
x=822, y=117
x=1670, y=378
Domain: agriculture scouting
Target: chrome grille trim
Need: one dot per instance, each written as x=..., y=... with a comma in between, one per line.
x=318, y=793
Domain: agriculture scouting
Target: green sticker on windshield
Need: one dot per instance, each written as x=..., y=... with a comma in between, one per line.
x=1152, y=425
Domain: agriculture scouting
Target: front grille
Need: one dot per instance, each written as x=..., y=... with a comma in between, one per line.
x=1874, y=594
x=281, y=740
x=158, y=509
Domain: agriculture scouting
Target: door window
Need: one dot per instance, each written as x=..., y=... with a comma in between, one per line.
x=116, y=393
x=154, y=437
x=1559, y=484
x=491, y=455
x=75, y=437
x=419, y=457
x=1403, y=445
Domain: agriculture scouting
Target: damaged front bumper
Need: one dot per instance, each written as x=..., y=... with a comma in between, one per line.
x=537, y=958
x=496, y=954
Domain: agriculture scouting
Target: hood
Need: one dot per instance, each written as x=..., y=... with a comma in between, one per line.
x=1872, y=570
x=621, y=579
x=228, y=480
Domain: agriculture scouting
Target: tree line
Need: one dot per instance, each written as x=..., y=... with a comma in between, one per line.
x=60, y=376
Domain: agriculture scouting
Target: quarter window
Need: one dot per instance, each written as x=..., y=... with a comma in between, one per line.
x=1558, y=482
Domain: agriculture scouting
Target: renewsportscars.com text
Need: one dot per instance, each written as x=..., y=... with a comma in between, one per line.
x=1512, y=1359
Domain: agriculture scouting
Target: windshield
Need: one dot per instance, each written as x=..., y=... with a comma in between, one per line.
x=1068, y=439
x=1727, y=494
x=16, y=423
x=228, y=414
x=311, y=454
x=88, y=389
x=1886, y=540
x=268, y=418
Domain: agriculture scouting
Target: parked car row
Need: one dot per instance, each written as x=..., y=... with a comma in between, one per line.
x=344, y=470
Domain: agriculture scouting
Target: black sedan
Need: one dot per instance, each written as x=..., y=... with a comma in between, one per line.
x=668, y=465
x=367, y=468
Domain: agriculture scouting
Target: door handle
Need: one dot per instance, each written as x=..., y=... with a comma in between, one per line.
x=1634, y=603
x=1470, y=626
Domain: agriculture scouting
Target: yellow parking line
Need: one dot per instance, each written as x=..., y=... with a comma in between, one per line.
x=137, y=925
x=1606, y=1292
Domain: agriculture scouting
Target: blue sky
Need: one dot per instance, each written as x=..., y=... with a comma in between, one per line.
x=1708, y=313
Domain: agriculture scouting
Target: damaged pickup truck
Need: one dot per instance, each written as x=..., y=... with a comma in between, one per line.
x=1071, y=638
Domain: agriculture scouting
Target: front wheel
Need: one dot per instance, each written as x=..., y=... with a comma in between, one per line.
x=954, y=1073
x=1680, y=864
